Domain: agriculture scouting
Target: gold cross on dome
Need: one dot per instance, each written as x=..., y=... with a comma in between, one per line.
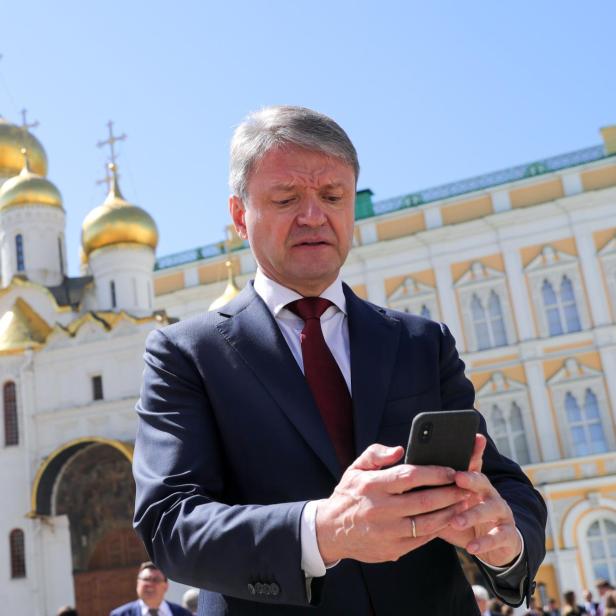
x=24, y=121
x=111, y=141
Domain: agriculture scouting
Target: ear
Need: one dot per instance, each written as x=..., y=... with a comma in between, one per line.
x=238, y=215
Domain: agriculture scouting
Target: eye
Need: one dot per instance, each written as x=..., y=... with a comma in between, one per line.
x=333, y=198
x=283, y=202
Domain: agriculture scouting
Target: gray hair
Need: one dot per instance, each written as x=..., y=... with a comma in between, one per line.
x=279, y=126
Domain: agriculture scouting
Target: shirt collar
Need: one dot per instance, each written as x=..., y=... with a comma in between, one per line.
x=276, y=297
x=144, y=608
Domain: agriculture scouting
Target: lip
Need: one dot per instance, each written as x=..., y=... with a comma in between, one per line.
x=311, y=243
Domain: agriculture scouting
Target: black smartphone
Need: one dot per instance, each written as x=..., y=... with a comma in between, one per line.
x=443, y=438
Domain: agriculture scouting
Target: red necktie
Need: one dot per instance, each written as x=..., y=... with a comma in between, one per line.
x=325, y=379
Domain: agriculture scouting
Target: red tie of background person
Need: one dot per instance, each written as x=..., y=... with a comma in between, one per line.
x=325, y=379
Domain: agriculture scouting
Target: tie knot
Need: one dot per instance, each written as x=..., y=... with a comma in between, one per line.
x=309, y=307
x=153, y=611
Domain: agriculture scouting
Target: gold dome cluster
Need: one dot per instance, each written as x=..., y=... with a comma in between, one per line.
x=29, y=188
x=116, y=221
x=12, y=139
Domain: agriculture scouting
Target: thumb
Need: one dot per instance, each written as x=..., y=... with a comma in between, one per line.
x=377, y=456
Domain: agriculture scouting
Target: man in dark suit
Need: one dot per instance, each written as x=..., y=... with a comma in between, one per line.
x=267, y=458
x=152, y=586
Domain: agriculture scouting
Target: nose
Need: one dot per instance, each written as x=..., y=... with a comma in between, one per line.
x=311, y=213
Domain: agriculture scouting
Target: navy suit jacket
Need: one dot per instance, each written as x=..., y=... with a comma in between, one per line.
x=230, y=446
x=132, y=609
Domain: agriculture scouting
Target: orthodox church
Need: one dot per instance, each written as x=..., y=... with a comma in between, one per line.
x=520, y=263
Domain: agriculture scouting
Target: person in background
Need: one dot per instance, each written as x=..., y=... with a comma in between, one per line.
x=592, y=607
x=551, y=609
x=152, y=586
x=571, y=608
x=610, y=604
x=190, y=599
x=495, y=607
x=481, y=596
x=603, y=586
x=67, y=610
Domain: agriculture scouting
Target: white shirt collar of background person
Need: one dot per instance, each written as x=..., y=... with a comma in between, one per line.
x=276, y=297
x=163, y=609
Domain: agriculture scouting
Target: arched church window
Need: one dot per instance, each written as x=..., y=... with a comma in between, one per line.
x=60, y=255
x=19, y=251
x=18, y=553
x=601, y=538
x=11, y=429
x=112, y=289
x=586, y=428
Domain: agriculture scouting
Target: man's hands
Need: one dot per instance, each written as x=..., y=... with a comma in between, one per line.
x=368, y=516
x=484, y=525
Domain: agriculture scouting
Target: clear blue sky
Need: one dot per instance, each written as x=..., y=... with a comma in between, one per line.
x=430, y=92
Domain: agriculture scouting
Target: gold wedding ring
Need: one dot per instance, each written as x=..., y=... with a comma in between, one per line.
x=414, y=528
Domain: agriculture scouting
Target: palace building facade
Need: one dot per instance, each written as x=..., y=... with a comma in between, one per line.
x=521, y=265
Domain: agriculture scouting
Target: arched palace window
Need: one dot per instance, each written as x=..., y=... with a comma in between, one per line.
x=488, y=323
x=560, y=308
x=508, y=433
x=11, y=430
x=601, y=537
x=586, y=429
x=18, y=553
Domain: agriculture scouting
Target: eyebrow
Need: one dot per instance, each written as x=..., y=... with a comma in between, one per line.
x=291, y=186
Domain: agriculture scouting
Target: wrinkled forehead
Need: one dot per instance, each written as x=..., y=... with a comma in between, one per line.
x=287, y=166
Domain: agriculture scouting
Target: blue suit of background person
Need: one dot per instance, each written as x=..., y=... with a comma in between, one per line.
x=230, y=446
x=134, y=609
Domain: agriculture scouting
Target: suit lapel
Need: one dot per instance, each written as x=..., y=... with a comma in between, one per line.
x=252, y=331
x=374, y=339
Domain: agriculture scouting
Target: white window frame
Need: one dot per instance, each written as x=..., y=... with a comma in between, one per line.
x=503, y=392
x=480, y=280
x=411, y=295
x=552, y=265
x=576, y=378
x=607, y=258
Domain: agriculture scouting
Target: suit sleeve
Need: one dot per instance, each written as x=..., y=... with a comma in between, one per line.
x=527, y=505
x=180, y=513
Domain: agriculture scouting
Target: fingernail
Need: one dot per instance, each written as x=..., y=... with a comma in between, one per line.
x=460, y=520
x=466, y=495
x=451, y=474
x=472, y=547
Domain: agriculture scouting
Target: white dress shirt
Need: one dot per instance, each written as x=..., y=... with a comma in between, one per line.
x=335, y=326
x=163, y=609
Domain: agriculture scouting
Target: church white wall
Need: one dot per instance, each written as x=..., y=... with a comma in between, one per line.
x=41, y=227
x=129, y=267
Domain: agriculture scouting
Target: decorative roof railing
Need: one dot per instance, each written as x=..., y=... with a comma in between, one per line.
x=489, y=180
x=437, y=193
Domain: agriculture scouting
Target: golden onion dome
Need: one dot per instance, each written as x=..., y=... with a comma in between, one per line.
x=116, y=221
x=29, y=188
x=12, y=139
x=230, y=291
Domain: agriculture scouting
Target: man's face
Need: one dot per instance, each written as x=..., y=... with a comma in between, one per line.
x=151, y=587
x=299, y=217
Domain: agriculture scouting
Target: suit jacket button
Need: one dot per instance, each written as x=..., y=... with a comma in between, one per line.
x=275, y=589
x=259, y=588
x=251, y=589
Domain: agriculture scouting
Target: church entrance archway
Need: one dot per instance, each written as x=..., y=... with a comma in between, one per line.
x=91, y=483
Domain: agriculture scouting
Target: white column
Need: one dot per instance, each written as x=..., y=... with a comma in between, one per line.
x=448, y=301
x=542, y=410
x=567, y=569
x=519, y=294
x=375, y=288
x=608, y=361
x=433, y=218
x=591, y=269
x=501, y=200
x=57, y=563
x=572, y=184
